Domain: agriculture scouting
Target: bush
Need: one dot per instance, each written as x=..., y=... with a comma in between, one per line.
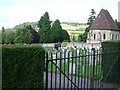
x=22, y=66
x=111, y=53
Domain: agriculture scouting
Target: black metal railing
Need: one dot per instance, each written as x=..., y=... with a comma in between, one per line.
x=79, y=68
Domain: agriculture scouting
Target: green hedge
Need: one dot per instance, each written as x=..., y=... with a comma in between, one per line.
x=23, y=66
x=111, y=52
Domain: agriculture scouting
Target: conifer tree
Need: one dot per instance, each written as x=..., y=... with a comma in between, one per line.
x=44, y=25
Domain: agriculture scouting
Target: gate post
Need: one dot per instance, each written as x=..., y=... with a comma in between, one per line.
x=93, y=70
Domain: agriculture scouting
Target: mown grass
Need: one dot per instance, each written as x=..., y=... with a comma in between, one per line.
x=84, y=69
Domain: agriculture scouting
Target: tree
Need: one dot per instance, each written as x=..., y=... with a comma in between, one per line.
x=50, y=34
x=118, y=23
x=3, y=35
x=23, y=35
x=57, y=34
x=9, y=37
x=44, y=25
x=73, y=38
x=65, y=36
x=92, y=17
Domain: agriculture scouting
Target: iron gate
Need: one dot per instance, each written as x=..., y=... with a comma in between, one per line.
x=80, y=68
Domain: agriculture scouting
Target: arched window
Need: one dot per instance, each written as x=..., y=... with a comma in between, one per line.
x=104, y=36
x=112, y=36
x=94, y=36
x=116, y=37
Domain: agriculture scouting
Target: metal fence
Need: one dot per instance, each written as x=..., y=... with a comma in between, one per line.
x=74, y=68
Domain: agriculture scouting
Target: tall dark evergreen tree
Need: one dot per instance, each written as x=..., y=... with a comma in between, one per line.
x=65, y=35
x=56, y=32
x=44, y=25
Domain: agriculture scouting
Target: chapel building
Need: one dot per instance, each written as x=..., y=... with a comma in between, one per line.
x=103, y=29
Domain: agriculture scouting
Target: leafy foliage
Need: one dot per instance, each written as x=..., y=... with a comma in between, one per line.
x=23, y=35
x=57, y=34
x=83, y=37
x=8, y=37
x=35, y=35
x=51, y=34
x=91, y=19
x=111, y=59
x=118, y=23
x=23, y=66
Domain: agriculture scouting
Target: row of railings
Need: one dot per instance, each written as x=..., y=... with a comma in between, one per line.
x=74, y=68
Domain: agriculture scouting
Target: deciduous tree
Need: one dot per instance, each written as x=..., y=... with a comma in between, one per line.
x=23, y=35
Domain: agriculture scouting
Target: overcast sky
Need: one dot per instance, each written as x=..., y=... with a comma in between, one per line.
x=14, y=12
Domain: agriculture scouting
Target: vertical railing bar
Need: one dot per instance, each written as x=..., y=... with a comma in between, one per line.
x=46, y=81
x=60, y=69
x=100, y=67
x=75, y=64
x=68, y=69
x=64, y=66
x=55, y=70
x=99, y=74
x=93, y=71
x=91, y=61
x=78, y=70
x=97, y=69
x=96, y=59
x=82, y=69
x=87, y=67
x=51, y=69
x=72, y=69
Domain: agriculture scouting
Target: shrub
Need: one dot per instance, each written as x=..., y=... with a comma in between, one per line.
x=22, y=66
x=111, y=53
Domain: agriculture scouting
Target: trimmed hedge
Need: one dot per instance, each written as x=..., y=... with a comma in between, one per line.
x=23, y=66
x=111, y=52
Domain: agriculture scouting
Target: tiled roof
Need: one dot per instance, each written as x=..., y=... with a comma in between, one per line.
x=104, y=21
